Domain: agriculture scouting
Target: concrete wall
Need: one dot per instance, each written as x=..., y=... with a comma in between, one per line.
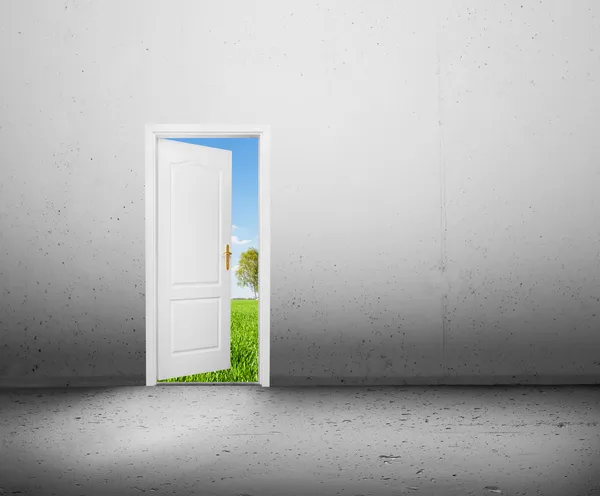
x=435, y=212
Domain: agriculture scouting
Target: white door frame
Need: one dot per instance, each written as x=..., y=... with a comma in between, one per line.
x=155, y=131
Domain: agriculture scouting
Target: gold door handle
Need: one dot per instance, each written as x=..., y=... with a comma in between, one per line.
x=227, y=254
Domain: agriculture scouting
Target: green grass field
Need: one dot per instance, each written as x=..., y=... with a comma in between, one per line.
x=244, y=348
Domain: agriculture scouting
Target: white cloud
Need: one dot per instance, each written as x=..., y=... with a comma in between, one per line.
x=235, y=267
x=233, y=226
x=236, y=241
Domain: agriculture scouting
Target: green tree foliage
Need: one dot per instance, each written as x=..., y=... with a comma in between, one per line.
x=247, y=272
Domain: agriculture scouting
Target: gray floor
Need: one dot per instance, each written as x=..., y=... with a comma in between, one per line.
x=301, y=441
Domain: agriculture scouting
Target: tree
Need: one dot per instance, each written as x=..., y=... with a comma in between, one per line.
x=247, y=271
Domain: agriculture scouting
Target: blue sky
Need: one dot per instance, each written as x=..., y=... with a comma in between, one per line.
x=244, y=211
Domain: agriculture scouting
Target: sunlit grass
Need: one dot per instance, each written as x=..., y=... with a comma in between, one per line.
x=244, y=348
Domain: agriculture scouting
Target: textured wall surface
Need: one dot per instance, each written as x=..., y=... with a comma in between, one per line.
x=435, y=212
x=520, y=87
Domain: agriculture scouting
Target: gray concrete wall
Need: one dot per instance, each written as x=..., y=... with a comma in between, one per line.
x=435, y=212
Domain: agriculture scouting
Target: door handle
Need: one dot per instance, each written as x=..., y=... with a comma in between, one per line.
x=227, y=254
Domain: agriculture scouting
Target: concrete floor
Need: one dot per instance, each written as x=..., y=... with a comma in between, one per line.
x=233, y=440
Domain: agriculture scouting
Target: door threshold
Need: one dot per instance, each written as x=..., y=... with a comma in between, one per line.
x=208, y=384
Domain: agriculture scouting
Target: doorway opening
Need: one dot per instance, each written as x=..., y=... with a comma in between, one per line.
x=247, y=254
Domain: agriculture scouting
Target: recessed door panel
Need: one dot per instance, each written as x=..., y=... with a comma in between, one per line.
x=195, y=324
x=195, y=223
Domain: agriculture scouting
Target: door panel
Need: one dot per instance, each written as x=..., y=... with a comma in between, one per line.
x=195, y=238
x=185, y=314
x=194, y=287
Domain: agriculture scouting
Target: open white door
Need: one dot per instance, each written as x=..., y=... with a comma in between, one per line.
x=194, y=283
